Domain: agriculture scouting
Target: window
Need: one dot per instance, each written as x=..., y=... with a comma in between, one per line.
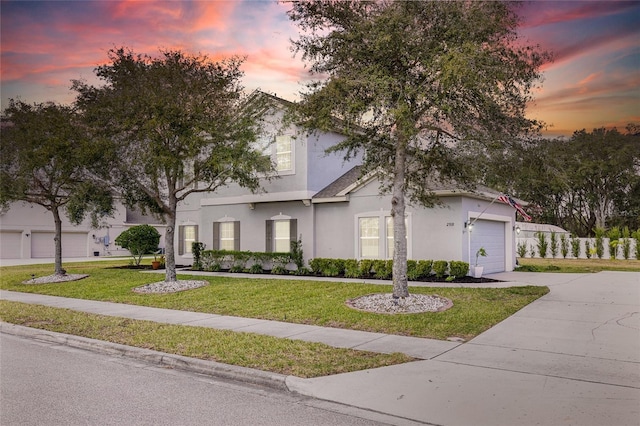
x=226, y=235
x=369, y=237
x=279, y=234
x=374, y=241
x=187, y=235
x=284, y=153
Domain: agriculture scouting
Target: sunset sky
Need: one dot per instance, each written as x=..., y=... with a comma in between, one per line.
x=593, y=81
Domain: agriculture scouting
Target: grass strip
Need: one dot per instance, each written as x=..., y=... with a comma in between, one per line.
x=277, y=355
x=580, y=265
x=298, y=301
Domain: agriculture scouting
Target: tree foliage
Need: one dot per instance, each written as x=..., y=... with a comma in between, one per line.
x=139, y=240
x=589, y=181
x=176, y=124
x=409, y=83
x=47, y=158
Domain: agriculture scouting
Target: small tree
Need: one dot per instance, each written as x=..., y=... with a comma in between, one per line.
x=522, y=249
x=626, y=243
x=575, y=246
x=614, y=241
x=139, y=240
x=47, y=158
x=175, y=125
x=554, y=244
x=415, y=85
x=564, y=245
x=599, y=245
x=636, y=237
x=588, y=251
x=543, y=244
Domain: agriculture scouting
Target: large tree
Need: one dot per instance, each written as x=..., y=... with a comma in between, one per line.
x=411, y=82
x=585, y=182
x=46, y=158
x=177, y=124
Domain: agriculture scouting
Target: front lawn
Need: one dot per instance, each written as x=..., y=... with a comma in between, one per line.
x=307, y=302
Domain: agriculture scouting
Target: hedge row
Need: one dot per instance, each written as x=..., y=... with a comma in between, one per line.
x=283, y=263
x=242, y=261
x=383, y=269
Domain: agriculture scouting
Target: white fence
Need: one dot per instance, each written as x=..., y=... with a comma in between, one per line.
x=533, y=251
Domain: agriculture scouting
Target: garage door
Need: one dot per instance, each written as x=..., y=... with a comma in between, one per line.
x=73, y=245
x=490, y=235
x=10, y=245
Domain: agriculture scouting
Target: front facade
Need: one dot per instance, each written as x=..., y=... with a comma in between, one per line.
x=27, y=231
x=337, y=213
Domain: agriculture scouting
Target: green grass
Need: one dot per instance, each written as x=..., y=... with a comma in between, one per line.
x=580, y=265
x=284, y=356
x=306, y=302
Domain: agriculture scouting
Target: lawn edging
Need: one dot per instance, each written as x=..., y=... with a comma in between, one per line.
x=179, y=362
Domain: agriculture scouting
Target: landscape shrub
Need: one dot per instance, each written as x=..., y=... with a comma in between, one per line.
x=575, y=246
x=553, y=242
x=139, y=240
x=564, y=245
x=424, y=268
x=626, y=243
x=383, y=269
x=256, y=268
x=196, y=249
x=527, y=268
x=636, y=237
x=543, y=244
x=522, y=249
x=599, y=245
x=614, y=241
x=440, y=268
x=351, y=268
x=458, y=268
x=587, y=249
x=365, y=266
x=412, y=270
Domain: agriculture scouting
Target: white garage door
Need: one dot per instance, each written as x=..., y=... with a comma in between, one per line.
x=73, y=245
x=10, y=245
x=490, y=235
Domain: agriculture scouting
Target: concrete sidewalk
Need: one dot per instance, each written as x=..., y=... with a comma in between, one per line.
x=570, y=358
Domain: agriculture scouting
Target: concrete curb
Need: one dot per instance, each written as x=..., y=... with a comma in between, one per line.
x=194, y=365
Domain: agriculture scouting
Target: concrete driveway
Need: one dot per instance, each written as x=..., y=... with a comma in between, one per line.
x=570, y=358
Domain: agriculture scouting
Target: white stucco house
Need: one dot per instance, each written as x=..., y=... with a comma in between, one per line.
x=338, y=213
x=27, y=231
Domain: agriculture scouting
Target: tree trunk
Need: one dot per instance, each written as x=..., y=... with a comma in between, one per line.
x=57, y=239
x=400, y=282
x=169, y=251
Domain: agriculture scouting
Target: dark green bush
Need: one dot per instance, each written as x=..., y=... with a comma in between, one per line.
x=458, y=268
x=440, y=268
x=424, y=268
x=139, y=240
x=256, y=268
x=383, y=269
x=351, y=268
x=365, y=266
x=412, y=270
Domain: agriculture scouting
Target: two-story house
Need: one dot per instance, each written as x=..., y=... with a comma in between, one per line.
x=338, y=213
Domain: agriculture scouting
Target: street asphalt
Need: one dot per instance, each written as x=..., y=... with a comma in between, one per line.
x=571, y=357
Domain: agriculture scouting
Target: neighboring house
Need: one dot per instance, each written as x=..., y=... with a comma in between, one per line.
x=338, y=213
x=27, y=231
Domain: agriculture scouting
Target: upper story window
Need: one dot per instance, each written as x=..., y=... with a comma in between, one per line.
x=284, y=153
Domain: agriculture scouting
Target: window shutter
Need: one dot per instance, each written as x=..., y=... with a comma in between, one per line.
x=269, y=236
x=180, y=240
x=293, y=230
x=195, y=232
x=236, y=235
x=216, y=236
